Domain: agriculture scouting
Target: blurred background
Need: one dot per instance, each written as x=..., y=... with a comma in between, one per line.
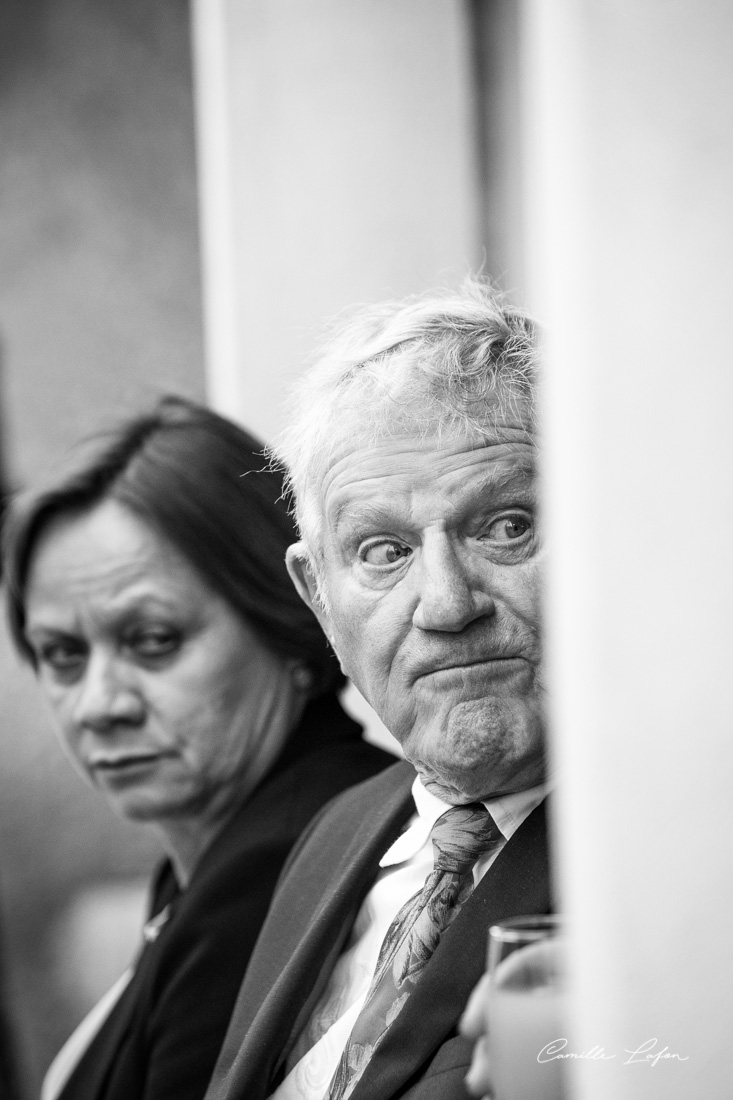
x=99, y=311
x=189, y=190
x=342, y=156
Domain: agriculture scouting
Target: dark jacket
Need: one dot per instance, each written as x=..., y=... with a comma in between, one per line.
x=313, y=911
x=162, y=1038
x=9, y=1087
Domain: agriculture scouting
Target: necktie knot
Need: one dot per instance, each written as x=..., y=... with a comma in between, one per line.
x=461, y=835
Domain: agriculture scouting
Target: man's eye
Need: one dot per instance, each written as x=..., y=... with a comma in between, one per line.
x=154, y=643
x=385, y=553
x=509, y=527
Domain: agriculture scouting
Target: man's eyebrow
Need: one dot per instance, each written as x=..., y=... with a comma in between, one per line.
x=378, y=514
x=503, y=477
x=362, y=514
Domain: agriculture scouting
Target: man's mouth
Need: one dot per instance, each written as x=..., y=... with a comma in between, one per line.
x=490, y=667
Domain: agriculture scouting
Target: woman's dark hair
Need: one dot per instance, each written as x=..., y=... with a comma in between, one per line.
x=202, y=483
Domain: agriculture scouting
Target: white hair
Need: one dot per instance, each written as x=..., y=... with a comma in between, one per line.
x=455, y=359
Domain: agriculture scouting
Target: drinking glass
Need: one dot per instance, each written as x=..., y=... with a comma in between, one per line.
x=526, y=1005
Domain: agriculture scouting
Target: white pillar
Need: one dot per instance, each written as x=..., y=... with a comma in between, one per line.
x=212, y=100
x=630, y=165
x=336, y=165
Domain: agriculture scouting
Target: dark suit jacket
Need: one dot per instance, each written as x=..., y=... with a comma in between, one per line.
x=328, y=876
x=9, y=1087
x=161, y=1040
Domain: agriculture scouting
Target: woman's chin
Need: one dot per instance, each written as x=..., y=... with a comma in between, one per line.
x=146, y=806
x=139, y=808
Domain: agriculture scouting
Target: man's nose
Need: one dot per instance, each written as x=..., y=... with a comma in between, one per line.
x=451, y=594
x=108, y=696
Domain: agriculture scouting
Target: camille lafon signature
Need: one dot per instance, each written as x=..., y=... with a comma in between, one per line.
x=648, y=1052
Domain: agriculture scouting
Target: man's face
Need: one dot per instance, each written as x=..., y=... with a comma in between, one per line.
x=431, y=572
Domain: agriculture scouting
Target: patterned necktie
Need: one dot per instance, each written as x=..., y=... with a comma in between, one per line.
x=459, y=837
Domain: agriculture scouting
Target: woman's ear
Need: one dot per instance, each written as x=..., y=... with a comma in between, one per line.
x=303, y=576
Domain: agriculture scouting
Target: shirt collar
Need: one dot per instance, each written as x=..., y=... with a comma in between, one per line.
x=508, y=811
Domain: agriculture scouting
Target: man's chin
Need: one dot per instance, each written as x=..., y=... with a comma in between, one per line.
x=481, y=749
x=449, y=793
x=495, y=783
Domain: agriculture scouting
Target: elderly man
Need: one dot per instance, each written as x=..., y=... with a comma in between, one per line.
x=412, y=457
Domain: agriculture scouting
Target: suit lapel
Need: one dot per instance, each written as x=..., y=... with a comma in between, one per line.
x=332, y=924
x=518, y=882
x=293, y=975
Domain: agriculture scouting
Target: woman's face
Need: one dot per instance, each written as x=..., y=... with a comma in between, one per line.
x=163, y=696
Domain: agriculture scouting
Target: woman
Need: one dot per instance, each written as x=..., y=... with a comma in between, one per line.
x=194, y=690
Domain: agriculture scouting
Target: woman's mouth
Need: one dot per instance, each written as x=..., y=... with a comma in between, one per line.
x=112, y=764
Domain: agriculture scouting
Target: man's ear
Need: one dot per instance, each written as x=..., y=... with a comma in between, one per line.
x=303, y=576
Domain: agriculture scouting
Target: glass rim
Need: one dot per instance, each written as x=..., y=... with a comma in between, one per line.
x=516, y=929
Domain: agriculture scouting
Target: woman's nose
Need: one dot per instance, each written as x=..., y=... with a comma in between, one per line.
x=107, y=697
x=451, y=595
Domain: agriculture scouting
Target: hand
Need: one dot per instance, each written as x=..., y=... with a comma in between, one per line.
x=473, y=1026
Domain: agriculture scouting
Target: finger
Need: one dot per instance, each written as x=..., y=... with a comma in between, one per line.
x=473, y=1021
x=477, y=1079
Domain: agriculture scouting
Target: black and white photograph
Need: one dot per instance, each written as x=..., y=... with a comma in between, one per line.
x=364, y=493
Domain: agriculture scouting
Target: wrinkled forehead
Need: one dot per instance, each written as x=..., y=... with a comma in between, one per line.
x=373, y=438
x=396, y=469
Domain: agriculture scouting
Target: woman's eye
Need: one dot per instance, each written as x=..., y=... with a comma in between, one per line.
x=385, y=553
x=509, y=527
x=62, y=658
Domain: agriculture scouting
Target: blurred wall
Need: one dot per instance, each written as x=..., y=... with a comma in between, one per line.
x=338, y=163
x=99, y=312
x=99, y=276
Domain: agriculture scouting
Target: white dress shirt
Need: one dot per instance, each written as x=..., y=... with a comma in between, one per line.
x=405, y=866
